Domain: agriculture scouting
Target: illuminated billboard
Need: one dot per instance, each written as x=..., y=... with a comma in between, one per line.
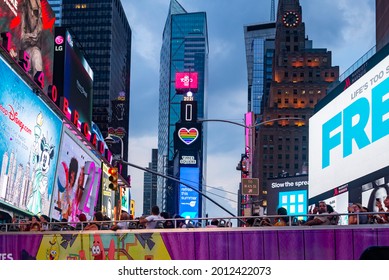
x=108, y=202
x=77, y=181
x=30, y=134
x=189, y=203
x=30, y=26
x=349, y=136
x=290, y=193
x=73, y=76
x=186, y=81
x=188, y=136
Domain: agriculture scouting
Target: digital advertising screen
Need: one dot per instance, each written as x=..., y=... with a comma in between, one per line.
x=77, y=181
x=188, y=198
x=31, y=26
x=30, y=137
x=186, y=81
x=349, y=136
x=73, y=76
x=290, y=193
x=187, y=136
x=108, y=198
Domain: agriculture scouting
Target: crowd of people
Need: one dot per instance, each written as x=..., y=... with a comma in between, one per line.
x=321, y=214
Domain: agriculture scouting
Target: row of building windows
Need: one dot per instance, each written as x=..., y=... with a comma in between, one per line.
x=296, y=91
x=281, y=147
x=270, y=138
x=310, y=74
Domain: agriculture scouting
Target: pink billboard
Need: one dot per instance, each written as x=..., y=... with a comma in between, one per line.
x=186, y=81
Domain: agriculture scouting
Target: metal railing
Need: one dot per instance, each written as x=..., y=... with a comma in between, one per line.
x=380, y=218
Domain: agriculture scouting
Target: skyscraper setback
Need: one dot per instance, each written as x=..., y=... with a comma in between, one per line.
x=301, y=75
x=102, y=29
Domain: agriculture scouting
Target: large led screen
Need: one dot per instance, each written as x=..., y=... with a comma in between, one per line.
x=30, y=24
x=73, y=76
x=30, y=135
x=77, y=180
x=189, y=198
x=348, y=138
x=290, y=193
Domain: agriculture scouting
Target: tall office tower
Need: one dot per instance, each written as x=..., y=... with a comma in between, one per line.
x=102, y=29
x=382, y=23
x=184, y=49
x=150, y=184
x=56, y=5
x=259, y=42
x=301, y=75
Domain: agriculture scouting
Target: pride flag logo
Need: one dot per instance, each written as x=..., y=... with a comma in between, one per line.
x=188, y=136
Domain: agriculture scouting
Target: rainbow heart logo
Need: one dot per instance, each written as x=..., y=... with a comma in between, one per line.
x=188, y=136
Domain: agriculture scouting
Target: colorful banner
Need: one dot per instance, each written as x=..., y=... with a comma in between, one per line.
x=212, y=244
x=30, y=134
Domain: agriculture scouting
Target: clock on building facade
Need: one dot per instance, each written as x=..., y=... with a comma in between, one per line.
x=291, y=19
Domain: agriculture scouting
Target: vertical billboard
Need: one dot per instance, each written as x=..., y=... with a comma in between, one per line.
x=108, y=200
x=73, y=76
x=77, y=181
x=29, y=148
x=349, y=136
x=30, y=26
x=188, y=203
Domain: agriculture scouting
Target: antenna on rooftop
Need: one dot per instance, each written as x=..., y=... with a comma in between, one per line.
x=272, y=11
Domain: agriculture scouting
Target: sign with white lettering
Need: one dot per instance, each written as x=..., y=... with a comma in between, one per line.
x=348, y=137
x=250, y=186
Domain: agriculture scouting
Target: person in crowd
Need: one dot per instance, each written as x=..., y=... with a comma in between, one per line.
x=179, y=221
x=283, y=220
x=82, y=221
x=15, y=224
x=123, y=223
x=249, y=222
x=357, y=219
x=151, y=221
x=35, y=224
x=381, y=218
x=334, y=218
x=321, y=218
x=96, y=223
x=214, y=223
x=44, y=220
x=168, y=223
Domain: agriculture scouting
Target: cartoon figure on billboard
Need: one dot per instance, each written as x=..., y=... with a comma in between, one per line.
x=37, y=134
x=65, y=189
x=40, y=182
x=98, y=251
x=31, y=33
x=52, y=253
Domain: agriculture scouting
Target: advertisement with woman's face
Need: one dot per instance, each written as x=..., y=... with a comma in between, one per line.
x=375, y=193
x=77, y=181
x=30, y=135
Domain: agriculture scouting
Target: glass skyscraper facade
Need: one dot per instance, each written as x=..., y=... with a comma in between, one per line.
x=56, y=5
x=184, y=49
x=102, y=29
x=259, y=42
x=150, y=185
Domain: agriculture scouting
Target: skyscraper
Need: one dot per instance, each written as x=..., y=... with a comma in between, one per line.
x=301, y=75
x=184, y=49
x=150, y=184
x=259, y=43
x=102, y=29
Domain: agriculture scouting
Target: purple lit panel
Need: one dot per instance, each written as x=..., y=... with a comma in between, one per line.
x=219, y=246
x=253, y=245
x=323, y=242
x=235, y=242
x=344, y=244
x=291, y=244
x=181, y=246
x=202, y=241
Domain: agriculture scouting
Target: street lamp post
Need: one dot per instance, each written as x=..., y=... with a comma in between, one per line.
x=112, y=139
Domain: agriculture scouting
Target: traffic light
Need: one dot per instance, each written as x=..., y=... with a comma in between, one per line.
x=113, y=178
